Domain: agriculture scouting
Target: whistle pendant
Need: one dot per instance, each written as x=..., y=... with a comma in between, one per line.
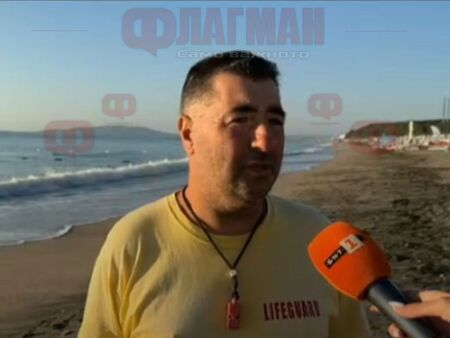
x=233, y=312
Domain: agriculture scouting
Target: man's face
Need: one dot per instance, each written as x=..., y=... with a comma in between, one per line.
x=238, y=138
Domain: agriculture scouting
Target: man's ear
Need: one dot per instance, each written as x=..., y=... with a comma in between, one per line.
x=185, y=132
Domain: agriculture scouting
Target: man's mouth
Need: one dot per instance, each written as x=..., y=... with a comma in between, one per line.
x=260, y=167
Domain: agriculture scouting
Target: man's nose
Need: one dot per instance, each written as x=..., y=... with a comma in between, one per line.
x=262, y=137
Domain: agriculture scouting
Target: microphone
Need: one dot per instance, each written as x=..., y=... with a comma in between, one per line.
x=356, y=266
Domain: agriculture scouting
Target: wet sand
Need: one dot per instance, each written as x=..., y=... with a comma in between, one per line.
x=402, y=199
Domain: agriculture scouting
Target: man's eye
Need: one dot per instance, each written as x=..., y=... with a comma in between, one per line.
x=240, y=119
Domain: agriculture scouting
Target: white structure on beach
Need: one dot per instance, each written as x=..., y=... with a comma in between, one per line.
x=435, y=141
x=435, y=131
x=411, y=130
x=409, y=142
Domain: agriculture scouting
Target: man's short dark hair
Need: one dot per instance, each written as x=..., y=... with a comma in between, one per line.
x=243, y=63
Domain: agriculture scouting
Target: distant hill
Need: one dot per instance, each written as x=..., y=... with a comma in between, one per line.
x=110, y=132
x=396, y=128
x=132, y=132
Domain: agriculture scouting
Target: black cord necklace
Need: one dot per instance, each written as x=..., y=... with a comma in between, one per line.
x=233, y=304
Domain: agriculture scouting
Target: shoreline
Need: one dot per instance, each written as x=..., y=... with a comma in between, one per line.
x=67, y=228
x=47, y=276
x=45, y=285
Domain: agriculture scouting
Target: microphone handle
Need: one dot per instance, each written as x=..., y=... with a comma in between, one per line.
x=384, y=291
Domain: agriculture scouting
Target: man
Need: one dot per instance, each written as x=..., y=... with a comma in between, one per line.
x=220, y=258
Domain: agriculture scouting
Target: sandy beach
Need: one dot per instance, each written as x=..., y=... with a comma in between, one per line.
x=402, y=199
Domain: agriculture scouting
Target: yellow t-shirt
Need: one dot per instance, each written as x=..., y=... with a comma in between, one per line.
x=158, y=276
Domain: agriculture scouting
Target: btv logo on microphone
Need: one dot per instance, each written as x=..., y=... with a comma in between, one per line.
x=349, y=244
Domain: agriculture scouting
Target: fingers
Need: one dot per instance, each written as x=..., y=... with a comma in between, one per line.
x=438, y=307
x=395, y=332
x=415, y=295
x=436, y=302
x=432, y=295
x=434, y=306
x=373, y=308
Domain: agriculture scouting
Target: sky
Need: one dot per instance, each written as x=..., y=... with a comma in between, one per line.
x=379, y=61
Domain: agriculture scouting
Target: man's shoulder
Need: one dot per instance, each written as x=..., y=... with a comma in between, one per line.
x=296, y=208
x=298, y=216
x=140, y=222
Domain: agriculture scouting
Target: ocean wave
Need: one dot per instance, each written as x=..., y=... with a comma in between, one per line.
x=59, y=233
x=53, y=182
x=302, y=151
x=325, y=145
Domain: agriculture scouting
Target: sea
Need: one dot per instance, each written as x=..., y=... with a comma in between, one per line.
x=44, y=194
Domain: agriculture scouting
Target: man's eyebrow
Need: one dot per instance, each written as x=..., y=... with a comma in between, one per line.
x=248, y=108
x=244, y=108
x=276, y=109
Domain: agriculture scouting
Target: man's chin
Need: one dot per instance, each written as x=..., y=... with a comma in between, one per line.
x=252, y=192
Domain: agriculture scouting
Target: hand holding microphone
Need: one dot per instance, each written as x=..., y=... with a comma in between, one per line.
x=354, y=264
x=432, y=304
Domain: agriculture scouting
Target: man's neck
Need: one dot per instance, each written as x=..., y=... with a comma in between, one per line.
x=236, y=222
